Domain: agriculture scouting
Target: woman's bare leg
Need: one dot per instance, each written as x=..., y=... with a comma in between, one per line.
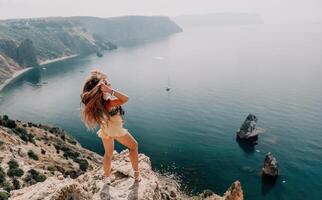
x=128, y=141
x=109, y=148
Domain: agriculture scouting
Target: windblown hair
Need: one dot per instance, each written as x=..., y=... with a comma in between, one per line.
x=93, y=111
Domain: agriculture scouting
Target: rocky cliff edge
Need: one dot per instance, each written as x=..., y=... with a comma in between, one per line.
x=43, y=162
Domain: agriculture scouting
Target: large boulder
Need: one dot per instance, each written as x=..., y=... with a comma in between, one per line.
x=270, y=167
x=248, y=130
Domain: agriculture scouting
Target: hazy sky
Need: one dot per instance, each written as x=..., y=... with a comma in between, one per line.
x=269, y=9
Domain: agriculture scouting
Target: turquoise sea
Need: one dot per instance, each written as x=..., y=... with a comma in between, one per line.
x=218, y=76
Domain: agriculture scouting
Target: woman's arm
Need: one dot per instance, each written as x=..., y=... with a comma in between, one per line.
x=121, y=98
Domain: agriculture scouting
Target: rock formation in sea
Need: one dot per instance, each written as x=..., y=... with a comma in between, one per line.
x=270, y=167
x=248, y=131
x=44, y=162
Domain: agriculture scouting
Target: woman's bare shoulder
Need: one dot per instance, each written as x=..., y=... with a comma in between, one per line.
x=111, y=104
x=115, y=103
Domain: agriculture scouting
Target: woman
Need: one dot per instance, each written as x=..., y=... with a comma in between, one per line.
x=99, y=109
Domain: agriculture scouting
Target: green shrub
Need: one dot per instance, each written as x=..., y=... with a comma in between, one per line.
x=5, y=121
x=57, y=146
x=4, y=196
x=51, y=168
x=11, y=124
x=72, y=174
x=83, y=164
x=68, y=153
x=16, y=183
x=71, y=154
x=7, y=186
x=32, y=155
x=24, y=135
x=71, y=141
x=2, y=176
x=14, y=169
x=13, y=163
x=74, y=155
x=63, y=137
x=34, y=176
x=15, y=172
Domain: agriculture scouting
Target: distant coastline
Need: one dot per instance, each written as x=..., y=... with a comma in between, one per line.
x=70, y=37
x=41, y=63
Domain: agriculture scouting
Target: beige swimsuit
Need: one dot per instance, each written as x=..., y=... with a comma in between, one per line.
x=114, y=126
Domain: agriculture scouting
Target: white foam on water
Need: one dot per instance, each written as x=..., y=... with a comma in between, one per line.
x=158, y=57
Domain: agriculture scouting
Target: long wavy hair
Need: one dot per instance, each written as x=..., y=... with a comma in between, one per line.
x=93, y=111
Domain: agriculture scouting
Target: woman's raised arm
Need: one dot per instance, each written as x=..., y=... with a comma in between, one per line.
x=121, y=97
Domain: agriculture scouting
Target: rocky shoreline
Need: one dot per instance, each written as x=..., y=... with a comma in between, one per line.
x=14, y=75
x=41, y=63
x=43, y=162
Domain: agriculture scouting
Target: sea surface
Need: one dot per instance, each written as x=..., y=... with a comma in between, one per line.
x=218, y=75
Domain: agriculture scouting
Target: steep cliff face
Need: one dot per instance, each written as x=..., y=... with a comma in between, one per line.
x=42, y=162
x=24, y=53
x=51, y=37
x=26, y=43
x=7, y=67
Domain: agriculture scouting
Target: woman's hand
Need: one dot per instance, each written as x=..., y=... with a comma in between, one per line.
x=106, y=86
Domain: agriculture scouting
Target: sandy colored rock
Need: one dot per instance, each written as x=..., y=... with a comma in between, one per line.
x=58, y=167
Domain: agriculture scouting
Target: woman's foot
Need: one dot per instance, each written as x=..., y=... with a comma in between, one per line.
x=137, y=176
x=108, y=179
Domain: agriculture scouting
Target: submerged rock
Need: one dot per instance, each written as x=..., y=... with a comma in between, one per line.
x=270, y=167
x=248, y=131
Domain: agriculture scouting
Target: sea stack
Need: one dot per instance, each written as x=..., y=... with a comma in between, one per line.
x=248, y=131
x=270, y=167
